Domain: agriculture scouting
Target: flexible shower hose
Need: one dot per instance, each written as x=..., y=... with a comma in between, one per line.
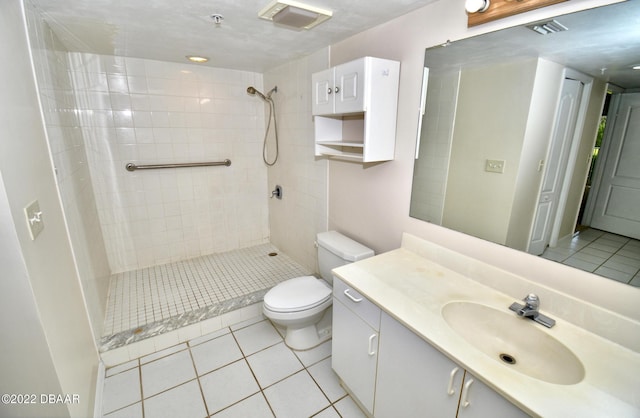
x=272, y=112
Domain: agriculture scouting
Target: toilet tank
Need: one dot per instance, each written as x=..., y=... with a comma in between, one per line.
x=335, y=250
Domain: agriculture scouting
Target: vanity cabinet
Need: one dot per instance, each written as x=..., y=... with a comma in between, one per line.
x=392, y=372
x=430, y=381
x=356, y=322
x=355, y=106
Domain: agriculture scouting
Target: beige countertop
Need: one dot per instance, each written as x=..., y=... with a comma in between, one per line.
x=414, y=290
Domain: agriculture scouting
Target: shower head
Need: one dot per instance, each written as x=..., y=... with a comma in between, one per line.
x=252, y=90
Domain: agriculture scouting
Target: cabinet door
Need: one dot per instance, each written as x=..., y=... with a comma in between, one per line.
x=354, y=353
x=414, y=379
x=480, y=401
x=349, y=87
x=322, y=93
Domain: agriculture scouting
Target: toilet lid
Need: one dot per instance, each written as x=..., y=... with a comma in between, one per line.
x=297, y=294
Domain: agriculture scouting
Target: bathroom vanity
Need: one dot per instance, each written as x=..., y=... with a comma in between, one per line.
x=412, y=335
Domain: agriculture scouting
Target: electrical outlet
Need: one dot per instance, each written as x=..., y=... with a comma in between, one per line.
x=34, y=219
x=495, y=166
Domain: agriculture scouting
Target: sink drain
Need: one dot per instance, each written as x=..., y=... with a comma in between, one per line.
x=507, y=358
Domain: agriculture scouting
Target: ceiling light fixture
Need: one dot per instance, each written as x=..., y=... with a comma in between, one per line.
x=294, y=14
x=197, y=59
x=476, y=6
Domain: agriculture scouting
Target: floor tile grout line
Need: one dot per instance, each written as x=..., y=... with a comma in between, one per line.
x=195, y=369
x=141, y=389
x=611, y=255
x=188, y=346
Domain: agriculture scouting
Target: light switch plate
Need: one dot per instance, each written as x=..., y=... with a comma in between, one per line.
x=495, y=166
x=35, y=223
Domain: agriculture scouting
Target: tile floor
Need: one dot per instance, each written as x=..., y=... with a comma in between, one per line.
x=609, y=255
x=244, y=370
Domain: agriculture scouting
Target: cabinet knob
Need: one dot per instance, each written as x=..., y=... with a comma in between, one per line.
x=337, y=90
x=329, y=91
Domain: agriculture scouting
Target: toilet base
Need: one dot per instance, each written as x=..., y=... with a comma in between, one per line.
x=306, y=338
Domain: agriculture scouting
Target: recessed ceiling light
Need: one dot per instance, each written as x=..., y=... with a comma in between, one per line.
x=197, y=59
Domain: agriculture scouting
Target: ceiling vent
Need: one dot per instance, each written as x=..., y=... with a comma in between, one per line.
x=545, y=28
x=293, y=14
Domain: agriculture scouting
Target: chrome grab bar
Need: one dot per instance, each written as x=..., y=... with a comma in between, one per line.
x=133, y=167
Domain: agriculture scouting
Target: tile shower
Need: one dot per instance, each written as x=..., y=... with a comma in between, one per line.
x=132, y=229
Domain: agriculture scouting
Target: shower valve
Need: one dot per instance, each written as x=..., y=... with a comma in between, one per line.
x=277, y=192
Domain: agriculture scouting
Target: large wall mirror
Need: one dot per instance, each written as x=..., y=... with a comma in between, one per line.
x=530, y=138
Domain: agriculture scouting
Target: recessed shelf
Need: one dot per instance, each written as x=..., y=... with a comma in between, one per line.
x=342, y=143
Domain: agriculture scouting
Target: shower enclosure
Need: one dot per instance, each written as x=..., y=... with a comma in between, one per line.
x=103, y=112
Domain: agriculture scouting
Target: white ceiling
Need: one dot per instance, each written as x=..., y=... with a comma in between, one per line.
x=168, y=30
x=603, y=42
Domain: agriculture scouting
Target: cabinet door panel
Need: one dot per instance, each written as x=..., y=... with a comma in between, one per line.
x=354, y=353
x=322, y=94
x=350, y=84
x=480, y=401
x=413, y=377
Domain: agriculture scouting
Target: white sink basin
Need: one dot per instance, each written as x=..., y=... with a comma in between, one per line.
x=518, y=343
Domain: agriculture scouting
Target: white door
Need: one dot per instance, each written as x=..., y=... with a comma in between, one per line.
x=322, y=94
x=556, y=164
x=354, y=353
x=414, y=379
x=349, y=87
x=617, y=205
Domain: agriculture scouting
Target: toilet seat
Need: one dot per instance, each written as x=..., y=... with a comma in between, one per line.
x=298, y=294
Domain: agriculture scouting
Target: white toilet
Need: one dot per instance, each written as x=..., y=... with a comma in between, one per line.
x=301, y=305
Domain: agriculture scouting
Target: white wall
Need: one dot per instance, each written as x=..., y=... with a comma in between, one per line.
x=302, y=213
x=27, y=174
x=27, y=343
x=491, y=116
x=371, y=203
x=70, y=161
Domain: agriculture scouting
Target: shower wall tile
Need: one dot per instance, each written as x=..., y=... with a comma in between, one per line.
x=302, y=213
x=148, y=112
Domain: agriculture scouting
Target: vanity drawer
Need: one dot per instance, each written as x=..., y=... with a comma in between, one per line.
x=357, y=303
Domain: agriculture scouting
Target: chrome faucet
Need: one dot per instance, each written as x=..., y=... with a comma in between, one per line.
x=530, y=309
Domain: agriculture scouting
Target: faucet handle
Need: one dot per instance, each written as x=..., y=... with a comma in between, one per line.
x=532, y=301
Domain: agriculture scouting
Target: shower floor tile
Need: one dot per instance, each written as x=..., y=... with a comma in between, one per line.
x=153, y=300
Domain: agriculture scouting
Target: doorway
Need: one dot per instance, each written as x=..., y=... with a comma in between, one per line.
x=580, y=224
x=614, y=201
x=560, y=161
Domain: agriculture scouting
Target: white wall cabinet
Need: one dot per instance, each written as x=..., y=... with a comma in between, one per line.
x=354, y=356
x=394, y=373
x=355, y=107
